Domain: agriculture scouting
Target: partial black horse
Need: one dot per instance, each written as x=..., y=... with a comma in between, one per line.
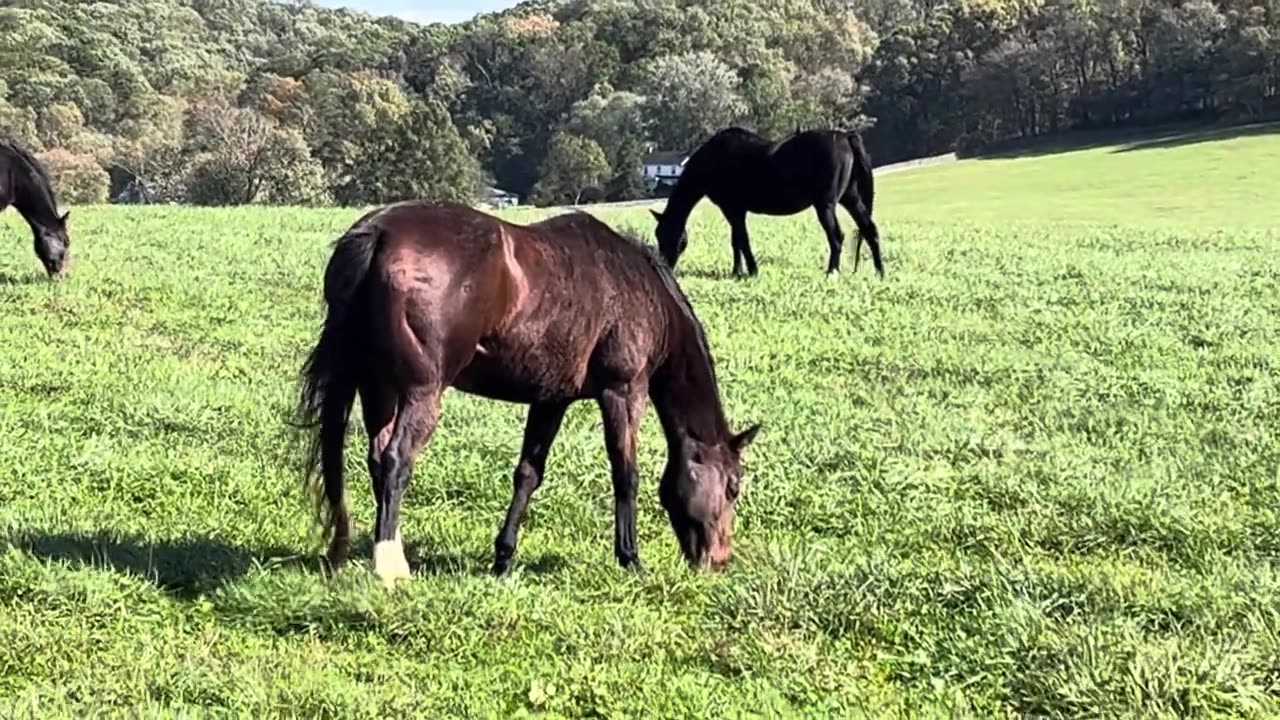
x=423, y=297
x=742, y=173
x=25, y=185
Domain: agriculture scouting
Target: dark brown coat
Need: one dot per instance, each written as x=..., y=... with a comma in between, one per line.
x=423, y=297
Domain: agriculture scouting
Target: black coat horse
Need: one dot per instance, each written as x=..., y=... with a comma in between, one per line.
x=25, y=185
x=742, y=173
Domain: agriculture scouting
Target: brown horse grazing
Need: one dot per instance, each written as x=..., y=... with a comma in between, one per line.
x=25, y=185
x=422, y=297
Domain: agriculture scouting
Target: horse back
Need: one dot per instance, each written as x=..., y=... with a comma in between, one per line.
x=592, y=298
x=749, y=173
x=537, y=313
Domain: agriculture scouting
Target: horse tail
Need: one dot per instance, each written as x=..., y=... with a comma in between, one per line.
x=863, y=176
x=330, y=378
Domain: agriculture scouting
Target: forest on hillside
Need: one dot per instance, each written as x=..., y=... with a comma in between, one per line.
x=240, y=101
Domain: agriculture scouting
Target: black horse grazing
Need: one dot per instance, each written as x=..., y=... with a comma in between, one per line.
x=422, y=297
x=742, y=173
x=25, y=185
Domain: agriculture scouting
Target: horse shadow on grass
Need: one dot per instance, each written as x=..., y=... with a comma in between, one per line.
x=477, y=563
x=188, y=568
x=707, y=274
x=184, y=567
x=8, y=279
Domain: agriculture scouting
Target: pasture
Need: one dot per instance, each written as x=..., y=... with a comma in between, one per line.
x=1035, y=471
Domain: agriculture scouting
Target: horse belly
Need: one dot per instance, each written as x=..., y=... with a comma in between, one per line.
x=782, y=207
x=519, y=372
x=763, y=200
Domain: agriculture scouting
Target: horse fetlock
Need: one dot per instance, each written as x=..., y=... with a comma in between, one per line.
x=628, y=558
x=504, y=551
x=337, y=555
x=502, y=563
x=634, y=565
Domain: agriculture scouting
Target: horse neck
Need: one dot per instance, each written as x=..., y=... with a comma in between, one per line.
x=33, y=199
x=684, y=390
x=686, y=194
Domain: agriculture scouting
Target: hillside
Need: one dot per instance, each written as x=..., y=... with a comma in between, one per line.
x=226, y=102
x=1203, y=179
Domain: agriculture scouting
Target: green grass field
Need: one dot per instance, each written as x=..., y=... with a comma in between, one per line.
x=1035, y=472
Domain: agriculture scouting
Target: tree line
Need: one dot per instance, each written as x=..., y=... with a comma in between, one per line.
x=251, y=101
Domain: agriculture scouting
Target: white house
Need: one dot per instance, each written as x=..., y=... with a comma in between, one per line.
x=499, y=198
x=662, y=168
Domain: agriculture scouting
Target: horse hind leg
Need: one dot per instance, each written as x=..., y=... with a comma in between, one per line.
x=866, y=230
x=378, y=405
x=421, y=359
x=416, y=418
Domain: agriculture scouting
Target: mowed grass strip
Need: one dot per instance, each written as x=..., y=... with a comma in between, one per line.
x=1033, y=472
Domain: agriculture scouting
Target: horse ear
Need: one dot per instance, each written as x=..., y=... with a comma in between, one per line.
x=742, y=440
x=64, y=217
x=656, y=215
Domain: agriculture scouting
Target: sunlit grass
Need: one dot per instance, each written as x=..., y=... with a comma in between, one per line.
x=1033, y=472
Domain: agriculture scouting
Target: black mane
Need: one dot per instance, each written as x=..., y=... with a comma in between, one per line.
x=40, y=182
x=37, y=169
x=659, y=264
x=668, y=277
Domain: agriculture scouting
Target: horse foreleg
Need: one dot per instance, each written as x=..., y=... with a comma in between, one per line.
x=539, y=433
x=835, y=236
x=735, y=220
x=737, y=253
x=622, y=409
x=741, y=244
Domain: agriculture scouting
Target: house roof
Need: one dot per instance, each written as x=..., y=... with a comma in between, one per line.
x=493, y=191
x=666, y=157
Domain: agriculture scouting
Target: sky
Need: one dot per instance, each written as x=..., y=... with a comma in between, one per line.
x=423, y=10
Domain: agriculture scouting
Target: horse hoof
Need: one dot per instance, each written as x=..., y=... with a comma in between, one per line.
x=333, y=562
x=389, y=563
x=833, y=274
x=633, y=564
